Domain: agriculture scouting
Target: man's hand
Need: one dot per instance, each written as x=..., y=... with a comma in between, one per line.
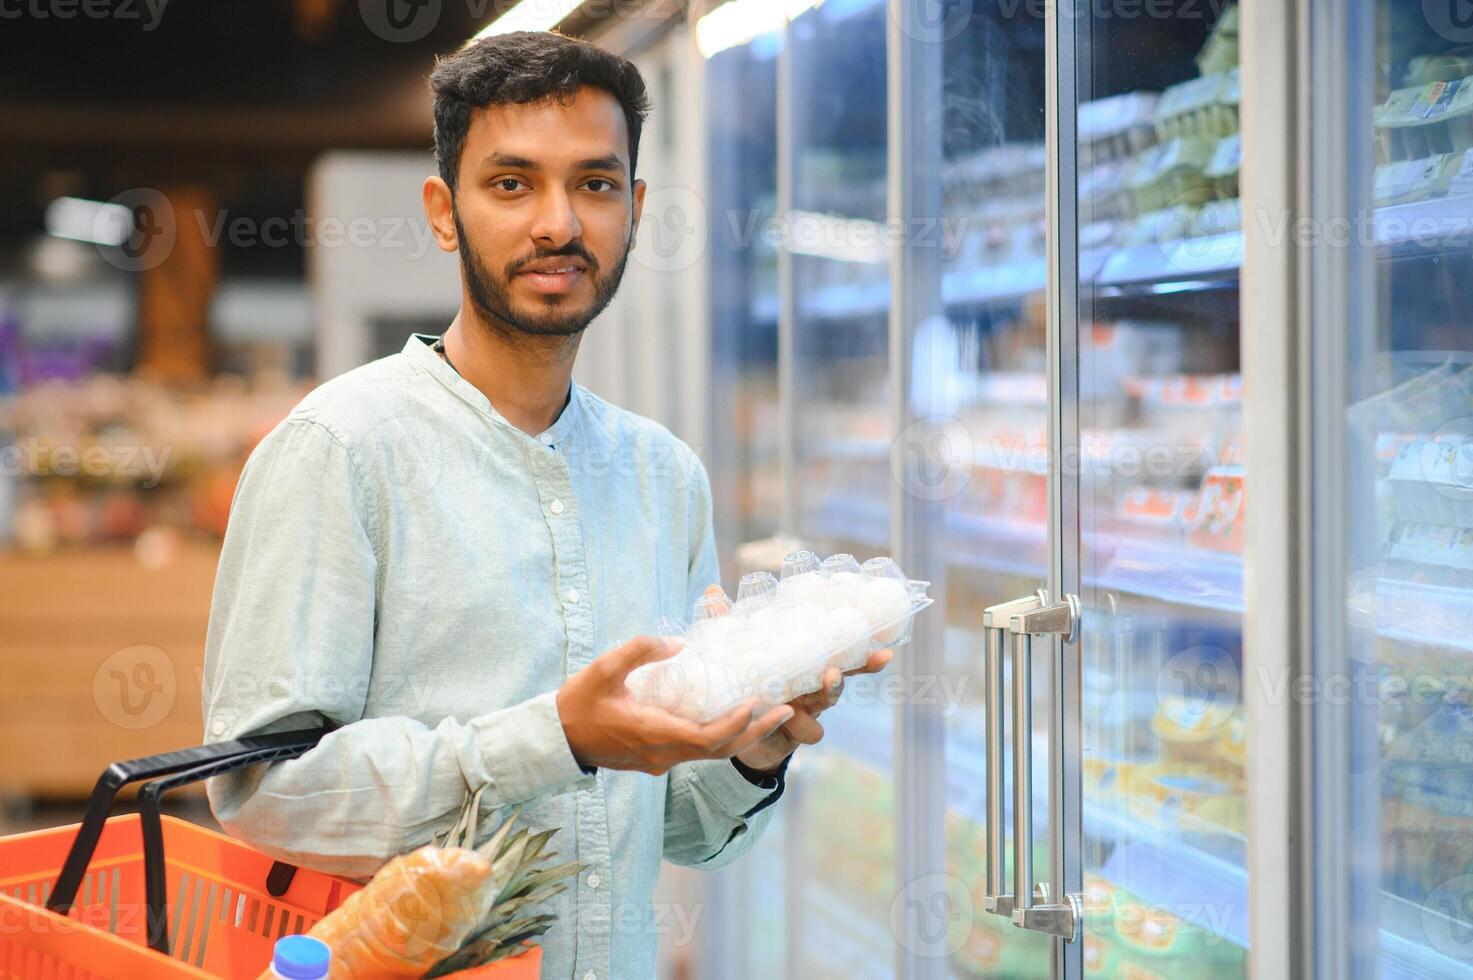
x=606, y=727
x=803, y=728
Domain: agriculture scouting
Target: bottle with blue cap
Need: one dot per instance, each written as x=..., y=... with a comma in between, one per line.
x=301, y=958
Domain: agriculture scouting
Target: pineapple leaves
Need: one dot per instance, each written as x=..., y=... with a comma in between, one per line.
x=523, y=878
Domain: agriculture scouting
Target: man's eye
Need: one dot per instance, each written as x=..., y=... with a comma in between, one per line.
x=508, y=184
x=607, y=184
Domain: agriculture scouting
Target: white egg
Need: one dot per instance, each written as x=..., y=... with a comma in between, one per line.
x=799, y=616
x=886, y=602
x=885, y=599
x=844, y=589
x=846, y=638
x=806, y=587
x=764, y=619
x=639, y=681
x=719, y=636
x=697, y=688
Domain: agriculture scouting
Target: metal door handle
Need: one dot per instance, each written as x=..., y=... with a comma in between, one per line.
x=1031, y=910
x=994, y=627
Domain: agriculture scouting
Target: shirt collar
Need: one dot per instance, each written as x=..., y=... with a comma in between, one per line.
x=418, y=350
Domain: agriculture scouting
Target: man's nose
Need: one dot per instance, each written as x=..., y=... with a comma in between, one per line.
x=555, y=223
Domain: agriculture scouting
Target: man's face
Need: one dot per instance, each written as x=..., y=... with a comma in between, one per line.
x=545, y=211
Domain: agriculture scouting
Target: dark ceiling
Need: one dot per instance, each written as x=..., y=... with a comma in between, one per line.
x=97, y=96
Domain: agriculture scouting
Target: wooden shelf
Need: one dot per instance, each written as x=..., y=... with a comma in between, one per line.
x=102, y=658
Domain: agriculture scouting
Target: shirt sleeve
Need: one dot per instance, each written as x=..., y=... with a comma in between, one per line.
x=290, y=645
x=713, y=812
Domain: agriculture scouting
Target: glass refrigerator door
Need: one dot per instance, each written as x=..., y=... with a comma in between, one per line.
x=1160, y=478
x=744, y=933
x=1405, y=479
x=839, y=829
x=981, y=370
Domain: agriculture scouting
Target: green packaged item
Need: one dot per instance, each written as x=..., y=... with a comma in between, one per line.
x=1204, y=107
x=1220, y=53
x=1172, y=173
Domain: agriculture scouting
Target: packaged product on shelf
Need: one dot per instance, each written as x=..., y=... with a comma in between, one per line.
x=1426, y=120
x=1117, y=127
x=1121, y=348
x=1205, y=107
x=1220, y=53
x=1223, y=168
x=1159, y=227
x=1462, y=180
x=1156, y=938
x=1172, y=173
x=104, y=459
x=1103, y=194
x=1192, y=793
x=1218, y=218
x=775, y=644
x=1215, y=519
x=1151, y=512
x=1433, y=544
x=1428, y=68
x=1415, y=180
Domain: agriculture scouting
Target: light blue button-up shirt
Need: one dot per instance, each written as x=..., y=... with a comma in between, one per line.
x=404, y=562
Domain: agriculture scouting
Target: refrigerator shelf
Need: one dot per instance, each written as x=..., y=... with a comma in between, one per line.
x=1162, y=869
x=1191, y=263
x=1195, y=578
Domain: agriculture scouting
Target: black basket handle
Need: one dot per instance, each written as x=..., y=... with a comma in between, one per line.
x=186, y=766
x=155, y=881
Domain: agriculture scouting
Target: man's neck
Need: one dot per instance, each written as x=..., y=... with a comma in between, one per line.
x=525, y=377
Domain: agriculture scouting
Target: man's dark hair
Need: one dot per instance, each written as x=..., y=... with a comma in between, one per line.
x=523, y=67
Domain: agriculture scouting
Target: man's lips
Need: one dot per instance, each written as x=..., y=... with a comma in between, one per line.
x=553, y=277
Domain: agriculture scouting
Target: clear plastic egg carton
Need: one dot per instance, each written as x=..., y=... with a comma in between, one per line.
x=780, y=635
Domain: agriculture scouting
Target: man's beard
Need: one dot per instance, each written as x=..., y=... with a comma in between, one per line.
x=490, y=294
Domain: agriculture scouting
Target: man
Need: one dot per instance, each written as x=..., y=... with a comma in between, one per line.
x=452, y=553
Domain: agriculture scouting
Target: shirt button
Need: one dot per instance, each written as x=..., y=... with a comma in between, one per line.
x=590, y=975
x=573, y=596
x=556, y=506
x=593, y=881
x=545, y=439
x=217, y=728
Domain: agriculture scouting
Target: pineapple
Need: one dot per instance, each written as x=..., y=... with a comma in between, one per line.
x=523, y=878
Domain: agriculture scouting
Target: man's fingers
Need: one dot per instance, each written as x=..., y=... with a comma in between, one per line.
x=712, y=736
x=761, y=727
x=716, y=590
x=804, y=728
x=877, y=662
x=618, y=662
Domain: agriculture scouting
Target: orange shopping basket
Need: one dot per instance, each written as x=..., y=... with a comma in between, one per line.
x=148, y=896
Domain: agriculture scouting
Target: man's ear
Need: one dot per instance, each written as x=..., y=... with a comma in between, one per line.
x=439, y=211
x=638, y=189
